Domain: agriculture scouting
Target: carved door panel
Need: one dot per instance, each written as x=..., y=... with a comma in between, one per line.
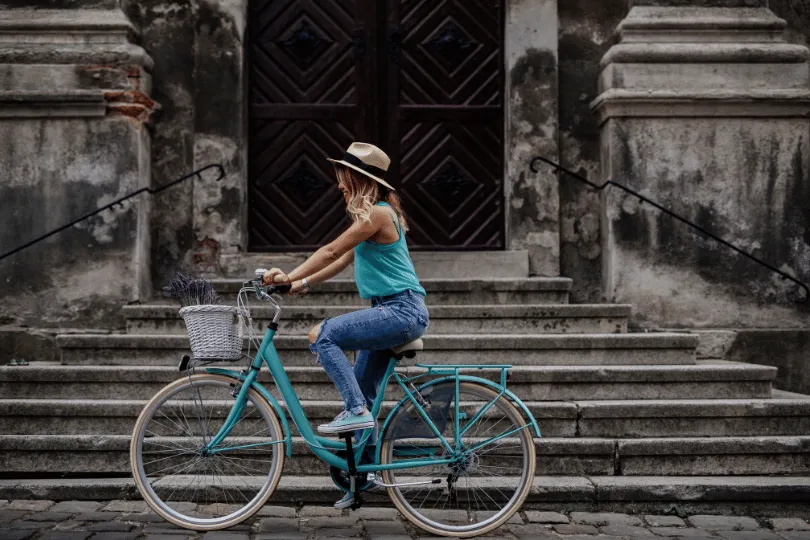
x=445, y=120
x=310, y=96
x=423, y=79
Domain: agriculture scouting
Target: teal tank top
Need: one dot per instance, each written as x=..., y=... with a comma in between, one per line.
x=385, y=269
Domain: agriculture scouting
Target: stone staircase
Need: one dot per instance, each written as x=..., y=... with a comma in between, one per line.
x=626, y=417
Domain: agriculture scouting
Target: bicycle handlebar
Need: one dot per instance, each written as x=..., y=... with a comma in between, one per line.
x=258, y=283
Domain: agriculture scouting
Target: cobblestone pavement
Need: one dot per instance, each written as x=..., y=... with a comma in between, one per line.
x=131, y=520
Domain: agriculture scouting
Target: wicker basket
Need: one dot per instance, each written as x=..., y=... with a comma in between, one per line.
x=215, y=332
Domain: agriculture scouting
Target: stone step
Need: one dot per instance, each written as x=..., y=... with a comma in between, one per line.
x=117, y=417
x=440, y=291
x=109, y=454
x=428, y=264
x=474, y=319
x=694, y=418
x=516, y=349
x=704, y=380
x=753, y=495
x=595, y=419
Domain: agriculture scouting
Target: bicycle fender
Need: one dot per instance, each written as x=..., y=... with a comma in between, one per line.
x=269, y=397
x=495, y=386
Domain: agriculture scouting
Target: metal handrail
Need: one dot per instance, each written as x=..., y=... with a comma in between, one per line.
x=151, y=191
x=669, y=212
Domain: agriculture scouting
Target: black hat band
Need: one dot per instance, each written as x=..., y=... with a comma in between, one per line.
x=357, y=162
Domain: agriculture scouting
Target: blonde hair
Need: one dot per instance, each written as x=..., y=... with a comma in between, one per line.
x=364, y=193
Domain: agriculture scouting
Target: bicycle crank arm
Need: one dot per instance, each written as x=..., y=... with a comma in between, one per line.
x=379, y=483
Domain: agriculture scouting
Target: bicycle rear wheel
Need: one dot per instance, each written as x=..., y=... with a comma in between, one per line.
x=190, y=487
x=483, y=487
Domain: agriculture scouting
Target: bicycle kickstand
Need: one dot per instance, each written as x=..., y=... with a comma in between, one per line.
x=358, y=499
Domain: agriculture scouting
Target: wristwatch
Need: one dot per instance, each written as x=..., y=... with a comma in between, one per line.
x=305, y=284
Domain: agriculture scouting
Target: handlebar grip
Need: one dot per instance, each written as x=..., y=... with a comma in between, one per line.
x=281, y=289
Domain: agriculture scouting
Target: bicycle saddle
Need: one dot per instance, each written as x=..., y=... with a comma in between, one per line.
x=408, y=350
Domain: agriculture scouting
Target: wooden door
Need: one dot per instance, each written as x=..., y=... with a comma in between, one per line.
x=445, y=112
x=310, y=67
x=423, y=79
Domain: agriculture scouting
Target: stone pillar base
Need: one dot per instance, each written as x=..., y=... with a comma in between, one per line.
x=73, y=106
x=705, y=110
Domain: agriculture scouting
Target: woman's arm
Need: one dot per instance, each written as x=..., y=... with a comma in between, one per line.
x=331, y=253
x=332, y=270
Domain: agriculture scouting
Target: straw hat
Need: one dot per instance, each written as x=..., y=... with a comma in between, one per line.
x=366, y=159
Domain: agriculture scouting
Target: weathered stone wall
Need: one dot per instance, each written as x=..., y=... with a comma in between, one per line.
x=54, y=171
x=60, y=4
x=199, y=80
x=587, y=31
x=74, y=107
x=168, y=32
x=532, y=126
x=797, y=15
x=714, y=129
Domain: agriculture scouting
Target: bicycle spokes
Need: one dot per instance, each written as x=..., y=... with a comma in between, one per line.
x=186, y=475
x=482, y=479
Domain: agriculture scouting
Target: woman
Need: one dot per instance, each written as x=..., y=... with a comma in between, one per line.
x=384, y=272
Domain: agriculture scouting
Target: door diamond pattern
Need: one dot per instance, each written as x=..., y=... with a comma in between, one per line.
x=450, y=45
x=307, y=101
x=423, y=79
x=304, y=44
x=449, y=131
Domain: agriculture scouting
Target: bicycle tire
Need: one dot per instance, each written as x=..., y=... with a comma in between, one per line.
x=521, y=491
x=161, y=507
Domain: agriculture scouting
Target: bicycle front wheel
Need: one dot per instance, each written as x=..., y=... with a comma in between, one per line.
x=488, y=478
x=190, y=486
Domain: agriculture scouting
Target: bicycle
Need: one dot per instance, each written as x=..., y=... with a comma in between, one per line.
x=207, y=450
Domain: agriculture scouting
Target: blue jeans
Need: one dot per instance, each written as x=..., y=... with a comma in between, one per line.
x=388, y=323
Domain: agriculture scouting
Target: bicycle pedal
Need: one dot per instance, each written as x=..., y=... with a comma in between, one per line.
x=357, y=502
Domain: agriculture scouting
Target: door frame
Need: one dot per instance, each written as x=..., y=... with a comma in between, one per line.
x=530, y=44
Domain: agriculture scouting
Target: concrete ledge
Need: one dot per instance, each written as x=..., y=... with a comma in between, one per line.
x=493, y=291
x=429, y=264
x=471, y=341
x=531, y=383
x=496, y=320
x=702, y=488
x=702, y=372
x=695, y=408
x=766, y=104
x=705, y=52
x=595, y=492
x=730, y=456
x=170, y=311
x=649, y=18
x=104, y=54
x=545, y=347
x=59, y=22
x=714, y=445
x=133, y=407
x=433, y=284
x=596, y=420
x=66, y=104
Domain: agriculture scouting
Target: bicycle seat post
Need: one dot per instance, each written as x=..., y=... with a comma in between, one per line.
x=358, y=501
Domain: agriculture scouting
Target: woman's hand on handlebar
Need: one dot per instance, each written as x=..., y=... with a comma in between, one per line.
x=275, y=276
x=297, y=288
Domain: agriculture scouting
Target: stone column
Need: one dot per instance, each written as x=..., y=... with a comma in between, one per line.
x=532, y=126
x=220, y=132
x=74, y=102
x=705, y=110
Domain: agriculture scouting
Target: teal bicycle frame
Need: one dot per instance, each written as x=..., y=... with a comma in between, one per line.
x=325, y=448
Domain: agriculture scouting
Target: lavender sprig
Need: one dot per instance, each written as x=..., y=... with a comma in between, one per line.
x=191, y=292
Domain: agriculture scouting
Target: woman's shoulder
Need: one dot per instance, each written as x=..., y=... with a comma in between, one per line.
x=381, y=210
